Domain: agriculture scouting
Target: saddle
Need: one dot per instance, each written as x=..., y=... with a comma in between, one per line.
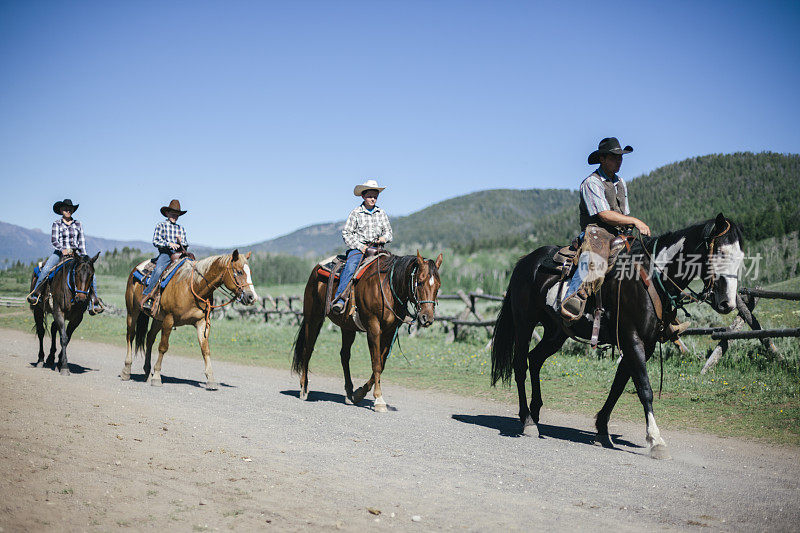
x=144, y=269
x=59, y=266
x=331, y=267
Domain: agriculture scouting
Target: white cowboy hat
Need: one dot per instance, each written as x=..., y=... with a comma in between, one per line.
x=366, y=186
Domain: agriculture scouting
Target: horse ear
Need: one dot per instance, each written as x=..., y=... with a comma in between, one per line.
x=439, y=261
x=95, y=257
x=248, y=255
x=420, y=260
x=235, y=255
x=719, y=223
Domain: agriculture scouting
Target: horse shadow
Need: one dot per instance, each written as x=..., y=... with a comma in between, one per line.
x=320, y=396
x=142, y=378
x=74, y=368
x=510, y=427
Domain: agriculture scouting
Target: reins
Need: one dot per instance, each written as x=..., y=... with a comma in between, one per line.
x=207, y=301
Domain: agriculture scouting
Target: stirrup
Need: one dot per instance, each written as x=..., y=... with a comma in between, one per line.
x=33, y=297
x=338, y=307
x=572, y=307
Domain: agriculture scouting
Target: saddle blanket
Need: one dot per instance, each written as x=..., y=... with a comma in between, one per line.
x=145, y=268
x=59, y=266
x=324, y=267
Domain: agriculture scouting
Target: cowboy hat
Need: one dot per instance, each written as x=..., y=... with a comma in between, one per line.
x=174, y=205
x=66, y=202
x=367, y=186
x=609, y=145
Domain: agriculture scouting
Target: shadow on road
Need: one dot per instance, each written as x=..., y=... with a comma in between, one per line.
x=142, y=378
x=320, y=396
x=73, y=368
x=510, y=427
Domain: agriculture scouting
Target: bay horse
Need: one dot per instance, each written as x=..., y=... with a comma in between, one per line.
x=382, y=296
x=629, y=318
x=187, y=300
x=66, y=298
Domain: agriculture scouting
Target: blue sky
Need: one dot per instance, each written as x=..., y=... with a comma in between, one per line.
x=262, y=116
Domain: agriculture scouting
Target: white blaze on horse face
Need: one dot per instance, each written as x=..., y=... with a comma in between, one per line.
x=250, y=281
x=726, y=263
x=431, y=281
x=666, y=255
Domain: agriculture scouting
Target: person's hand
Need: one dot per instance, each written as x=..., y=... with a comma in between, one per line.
x=174, y=246
x=381, y=240
x=67, y=251
x=642, y=227
x=363, y=249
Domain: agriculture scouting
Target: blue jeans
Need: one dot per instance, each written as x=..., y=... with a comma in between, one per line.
x=162, y=262
x=353, y=259
x=51, y=262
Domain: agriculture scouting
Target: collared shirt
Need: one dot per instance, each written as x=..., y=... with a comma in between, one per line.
x=64, y=236
x=593, y=192
x=364, y=227
x=167, y=232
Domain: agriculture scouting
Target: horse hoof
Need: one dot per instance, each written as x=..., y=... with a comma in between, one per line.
x=65, y=371
x=304, y=395
x=125, y=375
x=155, y=382
x=39, y=364
x=604, y=441
x=381, y=407
x=348, y=399
x=660, y=451
x=530, y=428
x=211, y=385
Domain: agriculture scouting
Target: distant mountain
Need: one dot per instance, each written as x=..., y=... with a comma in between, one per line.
x=26, y=245
x=450, y=223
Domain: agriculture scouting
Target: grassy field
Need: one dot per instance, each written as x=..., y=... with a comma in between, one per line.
x=747, y=395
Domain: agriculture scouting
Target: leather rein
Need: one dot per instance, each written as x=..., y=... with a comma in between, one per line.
x=207, y=301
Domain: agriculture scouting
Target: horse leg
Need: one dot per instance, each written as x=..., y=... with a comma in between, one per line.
x=310, y=330
x=74, y=322
x=63, y=361
x=51, y=357
x=203, y=329
x=125, y=375
x=553, y=339
x=373, y=340
x=617, y=388
x=636, y=361
x=155, y=373
x=348, y=337
x=378, y=365
x=523, y=339
x=155, y=327
x=38, y=317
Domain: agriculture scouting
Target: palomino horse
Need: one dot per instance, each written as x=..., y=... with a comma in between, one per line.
x=630, y=319
x=382, y=297
x=186, y=300
x=69, y=290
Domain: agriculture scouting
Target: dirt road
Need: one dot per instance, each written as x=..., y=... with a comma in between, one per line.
x=90, y=452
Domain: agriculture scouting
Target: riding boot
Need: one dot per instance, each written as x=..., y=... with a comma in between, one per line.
x=146, y=304
x=675, y=328
x=572, y=307
x=35, y=295
x=96, y=305
x=338, y=307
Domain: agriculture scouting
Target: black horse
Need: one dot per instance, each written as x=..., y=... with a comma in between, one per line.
x=711, y=250
x=66, y=297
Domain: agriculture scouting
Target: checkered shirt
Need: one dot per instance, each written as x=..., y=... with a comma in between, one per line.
x=65, y=236
x=594, y=194
x=363, y=227
x=167, y=232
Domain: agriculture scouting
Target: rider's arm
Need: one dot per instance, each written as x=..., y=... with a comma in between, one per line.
x=55, y=236
x=160, y=237
x=350, y=233
x=184, y=241
x=81, y=238
x=618, y=219
x=387, y=230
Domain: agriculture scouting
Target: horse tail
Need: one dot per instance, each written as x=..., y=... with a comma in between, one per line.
x=140, y=333
x=503, y=340
x=299, y=362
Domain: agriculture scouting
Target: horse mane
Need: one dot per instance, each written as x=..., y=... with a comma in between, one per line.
x=704, y=226
x=201, y=265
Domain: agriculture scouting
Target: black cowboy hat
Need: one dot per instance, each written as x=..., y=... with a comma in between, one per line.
x=609, y=145
x=174, y=205
x=66, y=202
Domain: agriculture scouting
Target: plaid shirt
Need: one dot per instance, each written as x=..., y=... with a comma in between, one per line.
x=167, y=232
x=65, y=236
x=363, y=227
x=594, y=194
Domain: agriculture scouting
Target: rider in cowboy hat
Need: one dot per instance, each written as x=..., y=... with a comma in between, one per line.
x=67, y=238
x=604, y=204
x=167, y=237
x=367, y=225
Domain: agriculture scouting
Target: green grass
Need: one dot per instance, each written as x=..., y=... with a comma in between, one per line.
x=746, y=395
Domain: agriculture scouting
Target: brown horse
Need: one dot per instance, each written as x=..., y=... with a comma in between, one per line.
x=69, y=290
x=186, y=300
x=381, y=296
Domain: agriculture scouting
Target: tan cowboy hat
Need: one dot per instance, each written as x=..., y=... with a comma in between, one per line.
x=609, y=145
x=367, y=186
x=174, y=205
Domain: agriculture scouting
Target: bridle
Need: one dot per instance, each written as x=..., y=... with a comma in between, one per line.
x=413, y=297
x=71, y=282
x=207, y=301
